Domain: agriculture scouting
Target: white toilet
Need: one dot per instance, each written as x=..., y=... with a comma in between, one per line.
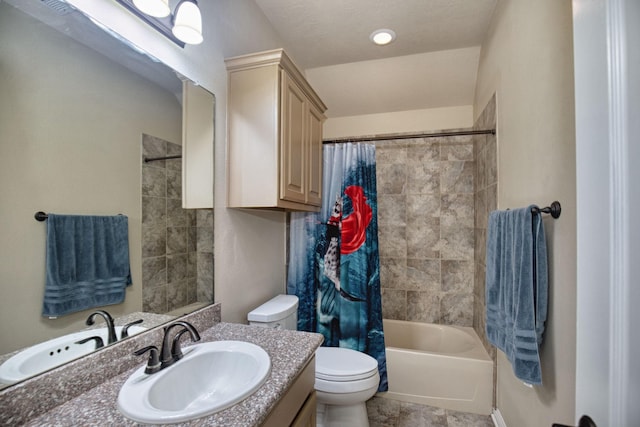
x=345, y=379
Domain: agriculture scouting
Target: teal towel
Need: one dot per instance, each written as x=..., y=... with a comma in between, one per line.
x=87, y=263
x=517, y=288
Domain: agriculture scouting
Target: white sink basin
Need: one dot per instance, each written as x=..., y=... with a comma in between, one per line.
x=210, y=377
x=49, y=354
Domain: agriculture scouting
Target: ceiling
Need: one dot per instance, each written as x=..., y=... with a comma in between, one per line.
x=330, y=32
x=410, y=73
x=432, y=64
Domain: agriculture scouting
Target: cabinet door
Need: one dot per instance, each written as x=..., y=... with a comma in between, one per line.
x=197, y=146
x=314, y=162
x=307, y=415
x=292, y=148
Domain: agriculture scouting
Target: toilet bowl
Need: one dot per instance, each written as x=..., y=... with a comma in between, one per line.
x=345, y=378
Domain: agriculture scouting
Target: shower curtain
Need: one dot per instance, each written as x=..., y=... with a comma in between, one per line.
x=334, y=266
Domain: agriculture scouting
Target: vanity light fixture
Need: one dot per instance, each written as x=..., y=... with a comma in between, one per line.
x=155, y=8
x=383, y=36
x=183, y=26
x=187, y=23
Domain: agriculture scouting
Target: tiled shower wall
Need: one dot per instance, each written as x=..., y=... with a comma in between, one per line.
x=485, y=149
x=426, y=229
x=177, y=244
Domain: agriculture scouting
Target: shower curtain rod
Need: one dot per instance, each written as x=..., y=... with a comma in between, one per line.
x=409, y=136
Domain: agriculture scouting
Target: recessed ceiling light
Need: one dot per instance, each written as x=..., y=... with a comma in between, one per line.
x=382, y=36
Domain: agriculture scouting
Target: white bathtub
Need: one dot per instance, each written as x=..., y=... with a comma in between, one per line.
x=438, y=365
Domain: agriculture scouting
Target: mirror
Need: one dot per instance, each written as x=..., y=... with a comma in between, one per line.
x=75, y=125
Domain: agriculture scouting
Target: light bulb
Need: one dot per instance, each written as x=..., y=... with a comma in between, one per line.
x=155, y=8
x=382, y=37
x=187, y=26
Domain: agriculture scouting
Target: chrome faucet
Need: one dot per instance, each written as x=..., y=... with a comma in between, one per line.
x=170, y=352
x=110, y=325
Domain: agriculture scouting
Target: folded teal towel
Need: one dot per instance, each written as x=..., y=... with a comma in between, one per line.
x=87, y=262
x=517, y=288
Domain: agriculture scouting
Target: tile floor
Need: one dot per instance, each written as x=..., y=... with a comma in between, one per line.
x=393, y=413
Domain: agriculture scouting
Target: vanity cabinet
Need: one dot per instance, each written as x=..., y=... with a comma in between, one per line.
x=274, y=134
x=297, y=407
x=307, y=415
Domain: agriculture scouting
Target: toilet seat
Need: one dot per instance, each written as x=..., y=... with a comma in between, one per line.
x=337, y=364
x=344, y=387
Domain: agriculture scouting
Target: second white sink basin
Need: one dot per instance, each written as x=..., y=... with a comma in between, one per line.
x=50, y=354
x=209, y=378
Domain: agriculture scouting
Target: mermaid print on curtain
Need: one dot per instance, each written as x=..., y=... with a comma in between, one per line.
x=334, y=266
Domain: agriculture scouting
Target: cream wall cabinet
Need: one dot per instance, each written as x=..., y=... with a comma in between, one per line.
x=274, y=141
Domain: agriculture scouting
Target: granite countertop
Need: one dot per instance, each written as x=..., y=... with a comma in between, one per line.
x=290, y=351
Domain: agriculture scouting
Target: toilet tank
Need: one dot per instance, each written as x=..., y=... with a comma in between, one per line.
x=280, y=312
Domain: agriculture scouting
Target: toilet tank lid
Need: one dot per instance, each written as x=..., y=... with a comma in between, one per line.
x=275, y=309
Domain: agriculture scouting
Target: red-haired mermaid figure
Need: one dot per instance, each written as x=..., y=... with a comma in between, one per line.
x=352, y=231
x=332, y=256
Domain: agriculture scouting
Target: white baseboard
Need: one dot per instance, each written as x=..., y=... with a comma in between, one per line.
x=496, y=416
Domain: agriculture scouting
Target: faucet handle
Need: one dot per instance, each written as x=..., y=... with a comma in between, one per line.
x=153, y=364
x=125, y=329
x=99, y=341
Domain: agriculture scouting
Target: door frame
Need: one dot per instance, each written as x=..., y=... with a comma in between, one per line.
x=606, y=56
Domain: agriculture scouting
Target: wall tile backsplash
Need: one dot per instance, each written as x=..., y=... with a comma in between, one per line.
x=426, y=228
x=434, y=197
x=177, y=244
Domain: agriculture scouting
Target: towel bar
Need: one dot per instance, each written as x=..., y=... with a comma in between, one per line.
x=42, y=216
x=555, y=209
x=154, y=159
